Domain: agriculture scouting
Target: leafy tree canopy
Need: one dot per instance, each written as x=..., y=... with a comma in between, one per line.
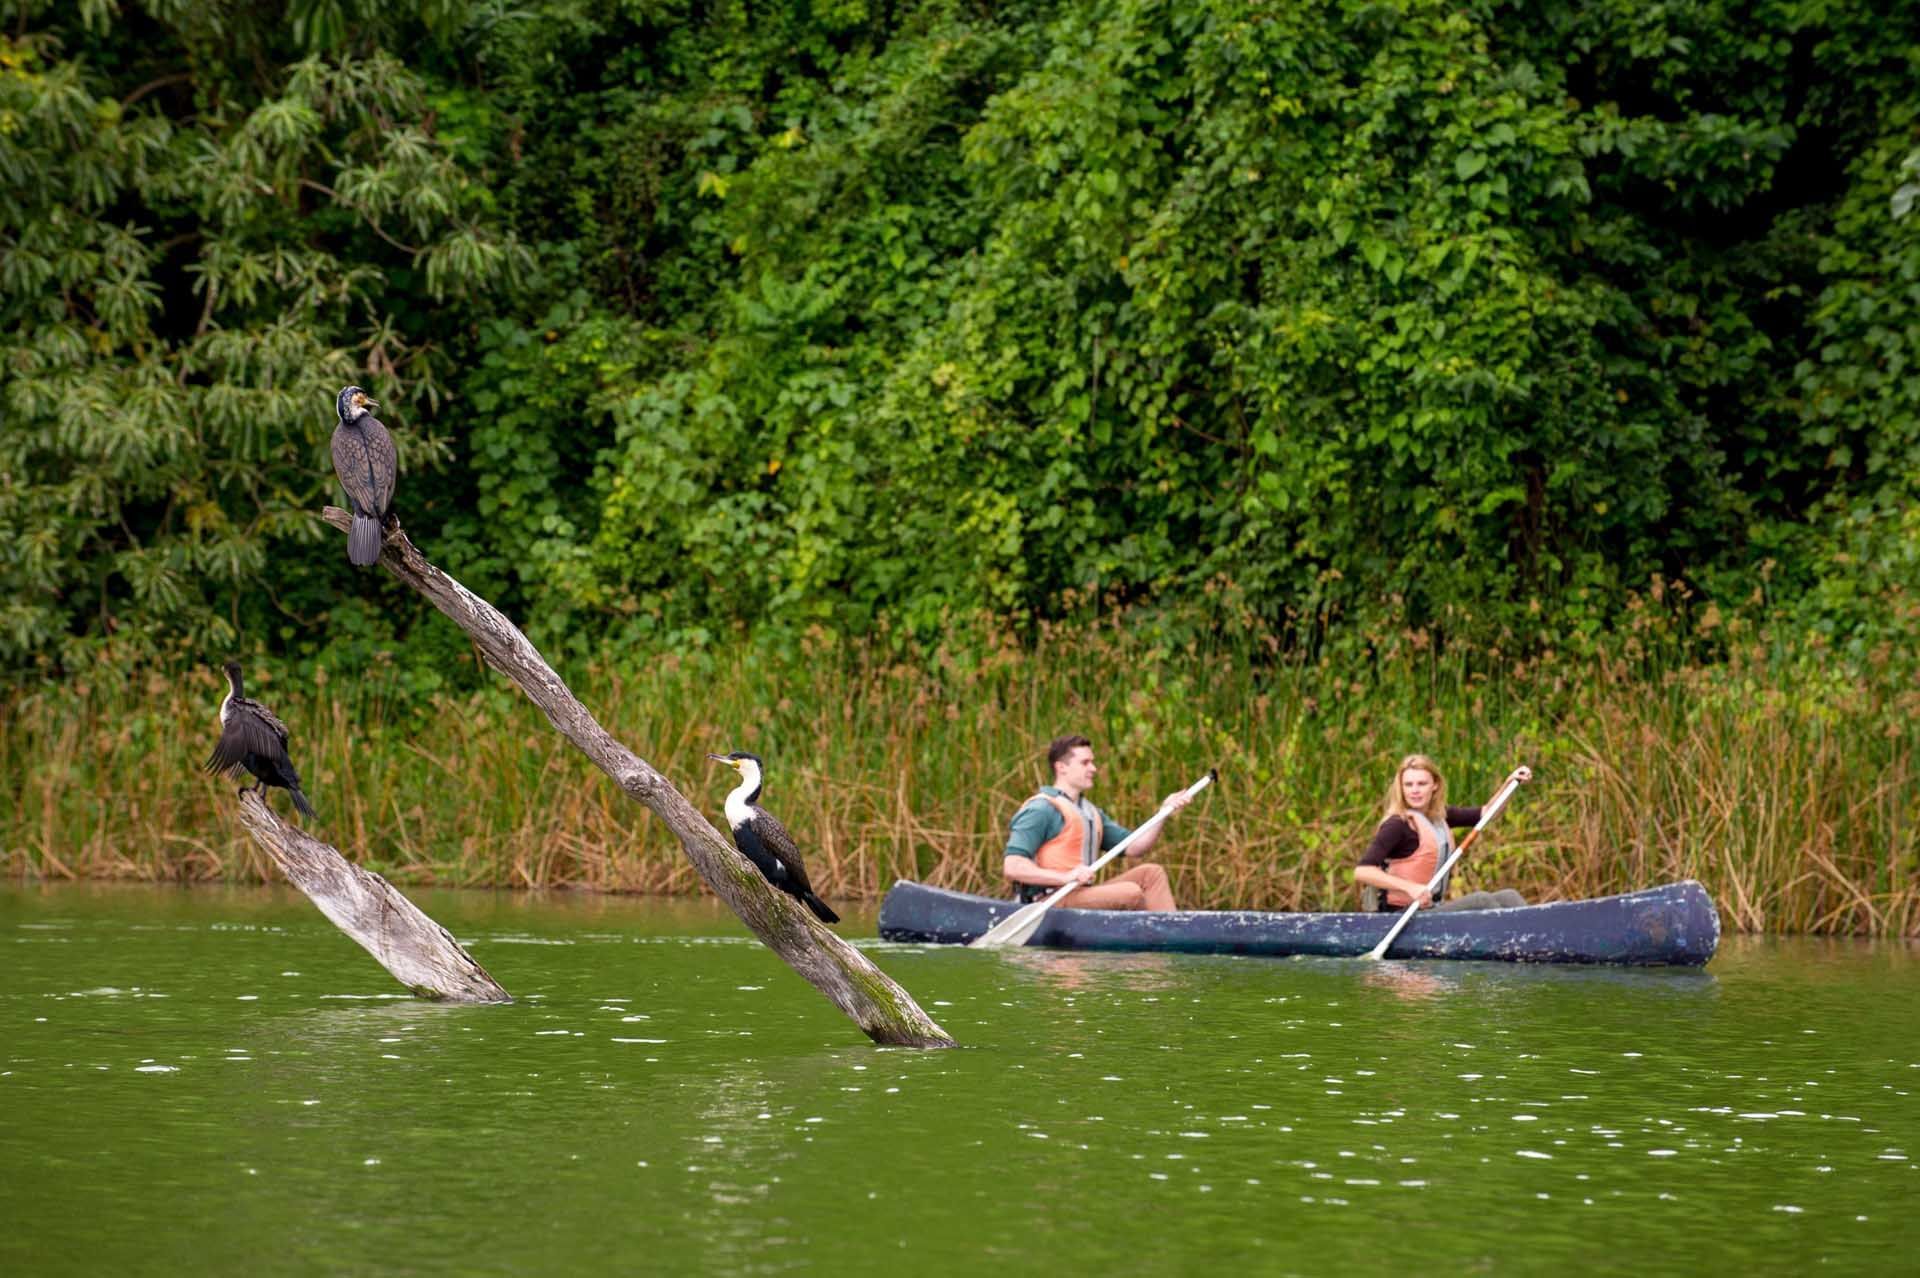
x=696, y=317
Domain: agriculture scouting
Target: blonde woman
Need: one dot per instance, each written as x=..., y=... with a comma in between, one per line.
x=1415, y=838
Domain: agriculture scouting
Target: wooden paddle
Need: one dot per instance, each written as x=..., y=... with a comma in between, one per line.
x=1413, y=907
x=1020, y=925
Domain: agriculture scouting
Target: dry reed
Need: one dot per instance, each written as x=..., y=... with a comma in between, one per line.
x=1784, y=793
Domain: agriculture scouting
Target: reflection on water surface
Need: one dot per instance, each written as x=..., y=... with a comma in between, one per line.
x=219, y=1080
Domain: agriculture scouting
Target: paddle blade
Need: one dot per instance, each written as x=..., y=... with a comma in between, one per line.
x=1015, y=929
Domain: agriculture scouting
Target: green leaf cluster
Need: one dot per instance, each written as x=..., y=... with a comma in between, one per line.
x=770, y=316
x=207, y=226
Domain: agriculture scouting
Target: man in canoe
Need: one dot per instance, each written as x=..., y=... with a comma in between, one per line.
x=1058, y=834
x=1415, y=838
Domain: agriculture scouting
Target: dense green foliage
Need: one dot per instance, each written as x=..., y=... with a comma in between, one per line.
x=691, y=317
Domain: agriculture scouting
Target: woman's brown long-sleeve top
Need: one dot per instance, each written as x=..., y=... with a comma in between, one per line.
x=1395, y=838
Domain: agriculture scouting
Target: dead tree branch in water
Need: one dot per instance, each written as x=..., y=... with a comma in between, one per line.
x=883, y=1010
x=421, y=955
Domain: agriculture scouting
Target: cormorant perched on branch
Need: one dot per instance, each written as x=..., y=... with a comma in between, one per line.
x=363, y=458
x=764, y=841
x=253, y=739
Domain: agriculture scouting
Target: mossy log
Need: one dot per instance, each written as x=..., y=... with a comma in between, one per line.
x=421, y=955
x=880, y=1007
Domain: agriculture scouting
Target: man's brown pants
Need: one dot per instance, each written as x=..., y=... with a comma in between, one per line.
x=1144, y=887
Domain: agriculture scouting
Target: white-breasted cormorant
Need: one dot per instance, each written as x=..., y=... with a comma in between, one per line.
x=251, y=738
x=363, y=458
x=764, y=841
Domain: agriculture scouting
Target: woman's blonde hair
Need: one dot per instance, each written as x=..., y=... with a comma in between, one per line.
x=1436, y=809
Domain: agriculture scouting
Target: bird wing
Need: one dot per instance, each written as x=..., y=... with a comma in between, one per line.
x=383, y=460
x=267, y=718
x=778, y=842
x=364, y=459
x=250, y=729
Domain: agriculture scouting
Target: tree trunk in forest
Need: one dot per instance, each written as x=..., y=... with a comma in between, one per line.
x=421, y=955
x=883, y=1010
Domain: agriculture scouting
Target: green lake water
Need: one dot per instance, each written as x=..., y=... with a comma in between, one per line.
x=217, y=1081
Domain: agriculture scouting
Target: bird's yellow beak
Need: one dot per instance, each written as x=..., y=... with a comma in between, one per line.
x=721, y=758
x=369, y=403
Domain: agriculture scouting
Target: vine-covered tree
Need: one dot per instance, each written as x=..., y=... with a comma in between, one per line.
x=780, y=314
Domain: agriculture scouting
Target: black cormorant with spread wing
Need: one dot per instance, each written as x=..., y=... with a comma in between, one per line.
x=251, y=738
x=764, y=841
x=363, y=458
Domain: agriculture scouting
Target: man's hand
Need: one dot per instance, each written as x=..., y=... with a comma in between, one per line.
x=1079, y=874
x=1175, y=801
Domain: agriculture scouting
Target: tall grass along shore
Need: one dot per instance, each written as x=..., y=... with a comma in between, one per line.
x=1784, y=786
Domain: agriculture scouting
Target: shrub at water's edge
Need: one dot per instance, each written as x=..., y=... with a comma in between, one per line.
x=1784, y=787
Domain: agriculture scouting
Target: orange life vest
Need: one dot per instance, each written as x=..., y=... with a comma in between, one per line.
x=1068, y=848
x=1420, y=865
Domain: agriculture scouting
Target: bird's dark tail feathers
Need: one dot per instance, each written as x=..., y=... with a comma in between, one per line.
x=363, y=540
x=821, y=910
x=300, y=801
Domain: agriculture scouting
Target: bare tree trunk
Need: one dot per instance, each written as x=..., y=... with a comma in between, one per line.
x=422, y=955
x=886, y=1012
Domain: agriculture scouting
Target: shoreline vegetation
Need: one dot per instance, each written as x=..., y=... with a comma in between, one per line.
x=1388, y=363
x=1782, y=784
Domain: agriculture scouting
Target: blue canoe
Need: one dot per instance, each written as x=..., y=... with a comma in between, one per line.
x=1671, y=925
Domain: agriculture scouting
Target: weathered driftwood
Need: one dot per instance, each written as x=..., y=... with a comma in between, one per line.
x=419, y=953
x=886, y=1012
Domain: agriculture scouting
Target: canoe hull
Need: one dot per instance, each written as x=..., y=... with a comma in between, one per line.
x=1671, y=925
